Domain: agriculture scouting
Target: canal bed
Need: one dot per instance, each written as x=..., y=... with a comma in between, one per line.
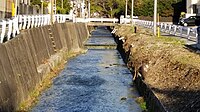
x=97, y=81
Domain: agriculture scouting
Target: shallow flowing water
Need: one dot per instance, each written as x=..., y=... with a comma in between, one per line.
x=97, y=81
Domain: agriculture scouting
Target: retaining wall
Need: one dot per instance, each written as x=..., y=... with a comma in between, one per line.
x=23, y=59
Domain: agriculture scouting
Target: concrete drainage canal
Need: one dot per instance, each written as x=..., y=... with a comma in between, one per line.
x=97, y=81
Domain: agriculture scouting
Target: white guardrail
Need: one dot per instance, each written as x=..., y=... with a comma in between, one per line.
x=11, y=27
x=171, y=29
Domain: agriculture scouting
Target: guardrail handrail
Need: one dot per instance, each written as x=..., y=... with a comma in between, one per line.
x=176, y=30
x=11, y=27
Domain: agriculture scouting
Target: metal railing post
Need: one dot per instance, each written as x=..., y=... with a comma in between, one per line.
x=9, y=29
x=3, y=23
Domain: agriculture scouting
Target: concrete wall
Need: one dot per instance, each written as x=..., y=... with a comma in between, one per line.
x=189, y=6
x=21, y=57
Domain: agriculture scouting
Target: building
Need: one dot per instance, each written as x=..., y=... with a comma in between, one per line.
x=193, y=8
x=24, y=7
x=7, y=7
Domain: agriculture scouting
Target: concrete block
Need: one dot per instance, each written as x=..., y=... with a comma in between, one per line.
x=39, y=44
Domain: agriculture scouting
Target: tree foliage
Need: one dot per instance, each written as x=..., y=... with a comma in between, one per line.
x=60, y=10
x=66, y=6
x=146, y=7
x=109, y=8
x=112, y=8
x=36, y=2
x=115, y=8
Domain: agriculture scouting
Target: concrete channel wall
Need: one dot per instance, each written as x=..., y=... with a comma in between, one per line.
x=23, y=59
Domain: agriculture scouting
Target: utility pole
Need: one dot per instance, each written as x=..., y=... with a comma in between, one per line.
x=51, y=14
x=155, y=17
x=55, y=7
x=42, y=7
x=83, y=10
x=4, y=9
x=62, y=4
x=88, y=8
x=16, y=4
x=132, y=12
x=126, y=9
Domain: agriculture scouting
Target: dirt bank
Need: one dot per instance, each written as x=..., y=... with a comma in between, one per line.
x=167, y=66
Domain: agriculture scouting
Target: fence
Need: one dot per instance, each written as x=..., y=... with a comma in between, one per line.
x=171, y=29
x=11, y=27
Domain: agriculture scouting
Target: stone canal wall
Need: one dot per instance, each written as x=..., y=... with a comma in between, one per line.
x=24, y=60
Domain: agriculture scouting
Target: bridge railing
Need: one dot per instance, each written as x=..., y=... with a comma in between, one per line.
x=102, y=20
x=171, y=29
x=11, y=27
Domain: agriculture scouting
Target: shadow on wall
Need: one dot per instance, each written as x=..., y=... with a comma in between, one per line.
x=178, y=8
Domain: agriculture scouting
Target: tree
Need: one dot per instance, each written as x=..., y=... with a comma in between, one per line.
x=109, y=8
x=145, y=7
x=36, y=2
x=66, y=6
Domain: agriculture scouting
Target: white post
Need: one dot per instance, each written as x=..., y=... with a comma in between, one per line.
x=29, y=22
x=24, y=25
x=36, y=21
x=15, y=26
x=175, y=28
x=20, y=22
x=32, y=21
x=45, y=19
x=9, y=29
x=39, y=21
x=188, y=33
x=155, y=17
x=170, y=28
x=3, y=23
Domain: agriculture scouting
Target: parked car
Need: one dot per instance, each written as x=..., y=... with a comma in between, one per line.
x=190, y=21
